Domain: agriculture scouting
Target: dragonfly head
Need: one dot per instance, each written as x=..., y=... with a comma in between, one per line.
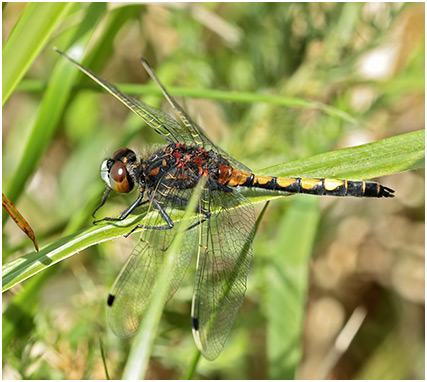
x=116, y=171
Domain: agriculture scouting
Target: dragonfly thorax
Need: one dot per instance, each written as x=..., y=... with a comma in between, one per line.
x=181, y=166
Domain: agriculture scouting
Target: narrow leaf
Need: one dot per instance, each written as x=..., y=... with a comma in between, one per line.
x=141, y=348
x=31, y=33
x=388, y=156
x=287, y=287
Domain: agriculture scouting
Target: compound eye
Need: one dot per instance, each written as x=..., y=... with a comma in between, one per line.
x=124, y=155
x=118, y=172
x=119, y=180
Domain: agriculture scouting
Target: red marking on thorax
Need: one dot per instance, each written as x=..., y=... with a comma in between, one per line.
x=192, y=157
x=198, y=161
x=177, y=156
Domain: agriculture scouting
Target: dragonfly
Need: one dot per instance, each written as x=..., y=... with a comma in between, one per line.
x=221, y=232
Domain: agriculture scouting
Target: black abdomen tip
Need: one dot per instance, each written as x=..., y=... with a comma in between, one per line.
x=110, y=300
x=386, y=192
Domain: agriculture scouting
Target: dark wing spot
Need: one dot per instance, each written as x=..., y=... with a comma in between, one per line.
x=110, y=300
x=195, y=323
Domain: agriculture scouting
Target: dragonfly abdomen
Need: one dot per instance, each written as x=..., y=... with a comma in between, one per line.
x=314, y=186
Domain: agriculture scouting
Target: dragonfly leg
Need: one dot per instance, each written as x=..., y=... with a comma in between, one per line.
x=206, y=217
x=125, y=213
x=104, y=199
x=162, y=213
x=199, y=209
x=167, y=218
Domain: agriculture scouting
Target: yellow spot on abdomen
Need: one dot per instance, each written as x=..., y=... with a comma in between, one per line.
x=308, y=183
x=262, y=179
x=332, y=184
x=286, y=182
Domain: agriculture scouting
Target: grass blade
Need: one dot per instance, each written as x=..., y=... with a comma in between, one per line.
x=31, y=33
x=287, y=287
x=144, y=339
x=388, y=156
x=51, y=109
x=28, y=265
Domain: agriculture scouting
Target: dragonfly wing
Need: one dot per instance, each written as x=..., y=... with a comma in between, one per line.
x=223, y=265
x=192, y=130
x=160, y=121
x=197, y=135
x=209, y=145
x=135, y=285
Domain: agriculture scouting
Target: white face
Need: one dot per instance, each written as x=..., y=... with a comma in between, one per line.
x=105, y=173
x=115, y=176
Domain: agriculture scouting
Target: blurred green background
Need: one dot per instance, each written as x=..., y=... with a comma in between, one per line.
x=365, y=256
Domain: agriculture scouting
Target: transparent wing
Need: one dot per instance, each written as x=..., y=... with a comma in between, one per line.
x=134, y=287
x=157, y=119
x=223, y=263
x=197, y=135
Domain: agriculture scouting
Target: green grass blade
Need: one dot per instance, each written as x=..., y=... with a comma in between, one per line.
x=51, y=109
x=30, y=35
x=389, y=156
x=28, y=265
x=104, y=358
x=241, y=97
x=103, y=47
x=144, y=339
x=193, y=364
x=287, y=275
x=218, y=95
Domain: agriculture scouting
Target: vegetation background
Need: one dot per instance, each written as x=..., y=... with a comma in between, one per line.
x=365, y=257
